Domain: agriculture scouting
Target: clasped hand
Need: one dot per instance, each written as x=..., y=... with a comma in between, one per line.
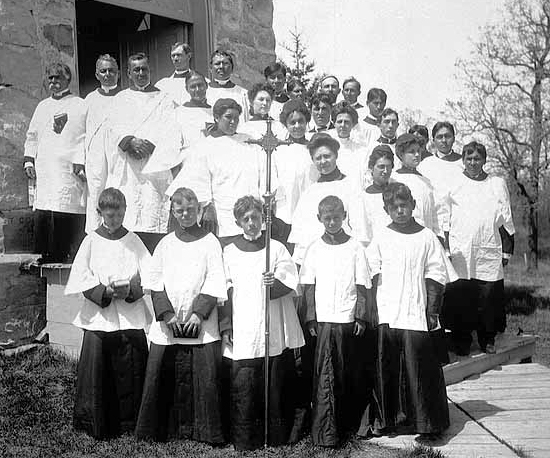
x=190, y=329
x=140, y=148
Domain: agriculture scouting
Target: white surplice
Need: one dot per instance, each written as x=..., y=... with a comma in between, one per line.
x=57, y=187
x=374, y=209
x=151, y=116
x=193, y=121
x=477, y=209
x=404, y=262
x=175, y=88
x=185, y=270
x=238, y=93
x=352, y=160
x=244, y=274
x=102, y=261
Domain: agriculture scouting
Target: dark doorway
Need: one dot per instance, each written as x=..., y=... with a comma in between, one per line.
x=120, y=32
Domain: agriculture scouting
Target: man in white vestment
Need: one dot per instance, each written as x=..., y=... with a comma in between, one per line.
x=180, y=54
x=144, y=146
x=54, y=157
x=99, y=104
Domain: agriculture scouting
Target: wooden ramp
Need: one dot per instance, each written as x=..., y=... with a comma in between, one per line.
x=504, y=412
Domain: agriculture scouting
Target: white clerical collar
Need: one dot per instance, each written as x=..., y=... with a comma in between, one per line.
x=142, y=88
x=251, y=239
x=108, y=89
x=441, y=155
x=222, y=82
x=181, y=72
x=58, y=95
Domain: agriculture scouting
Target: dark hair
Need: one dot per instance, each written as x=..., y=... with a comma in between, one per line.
x=227, y=54
x=388, y=112
x=420, y=129
x=321, y=98
x=330, y=203
x=403, y=142
x=137, y=56
x=326, y=77
x=193, y=74
x=351, y=79
x=377, y=93
x=323, y=139
x=106, y=58
x=222, y=105
x=274, y=68
x=440, y=125
x=292, y=106
x=293, y=83
x=345, y=107
x=259, y=87
x=474, y=147
x=182, y=194
x=394, y=191
x=59, y=68
x=185, y=46
x=111, y=198
x=245, y=204
x=379, y=152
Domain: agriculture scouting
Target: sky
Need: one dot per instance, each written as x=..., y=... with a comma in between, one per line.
x=409, y=48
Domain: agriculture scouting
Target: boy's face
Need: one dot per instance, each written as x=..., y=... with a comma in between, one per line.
x=196, y=87
x=381, y=171
x=332, y=219
x=228, y=121
x=400, y=211
x=351, y=92
x=251, y=222
x=376, y=107
x=112, y=217
x=321, y=114
x=389, y=125
x=277, y=81
x=343, y=125
x=296, y=124
x=411, y=156
x=444, y=140
x=185, y=212
x=324, y=159
x=473, y=163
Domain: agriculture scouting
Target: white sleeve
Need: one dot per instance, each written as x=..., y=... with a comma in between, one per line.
x=307, y=269
x=76, y=125
x=437, y=266
x=215, y=283
x=33, y=134
x=145, y=260
x=81, y=277
x=374, y=257
x=362, y=271
x=506, y=210
x=155, y=281
x=284, y=269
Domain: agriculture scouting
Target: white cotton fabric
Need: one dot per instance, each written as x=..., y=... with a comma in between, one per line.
x=238, y=94
x=175, y=88
x=477, y=209
x=404, y=262
x=244, y=274
x=352, y=161
x=335, y=270
x=57, y=187
x=185, y=270
x=374, y=209
x=102, y=261
x=192, y=121
x=364, y=132
x=151, y=116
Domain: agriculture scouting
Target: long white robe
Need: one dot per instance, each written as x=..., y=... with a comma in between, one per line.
x=244, y=273
x=151, y=116
x=237, y=93
x=374, y=209
x=192, y=121
x=185, y=270
x=404, y=262
x=364, y=132
x=477, y=209
x=352, y=160
x=175, y=88
x=102, y=261
x=57, y=187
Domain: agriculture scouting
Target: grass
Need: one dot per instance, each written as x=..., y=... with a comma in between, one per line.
x=36, y=400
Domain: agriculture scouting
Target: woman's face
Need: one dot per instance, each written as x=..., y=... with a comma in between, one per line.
x=343, y=125
x=228, y=121
x=261, y=103
x=324, y=159
x=381, y=171
x=298, y=92
x=296, y=124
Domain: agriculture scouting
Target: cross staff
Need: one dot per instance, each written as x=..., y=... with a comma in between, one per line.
x=269, y=143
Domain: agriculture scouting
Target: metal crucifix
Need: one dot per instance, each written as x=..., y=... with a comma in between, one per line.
x=269, y=143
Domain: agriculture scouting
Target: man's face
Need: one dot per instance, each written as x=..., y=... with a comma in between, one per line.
x=277, y=81
x=324, y=159
x=332, y=219
x=444, y=140
x=321, y=114
x=221, y=67
x=196, y=87
x=185, y=212
x=106, y=73
x=400, y=211
x=411, y=156
x=112, y=217
x=228, y=121
x=473, y=163
x=330, y=86
x=139, y=73
x=351, y=92
x=376, y=107
x=381, y=171
x=180, y=59
x=57, y=82
x=343, y=125
x=251, y=222
x=389, y=125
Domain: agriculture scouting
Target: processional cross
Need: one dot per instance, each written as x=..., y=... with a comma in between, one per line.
x=269, y=143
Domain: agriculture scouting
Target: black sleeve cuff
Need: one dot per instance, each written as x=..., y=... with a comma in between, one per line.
x=225, y=315
x=309, y=297
x=507, y=241
x=125, y=143
x=203, y=305
x=361, y=312
x=98, y=295
x=434, y=296
x=136, y=291
x=279, y=289
x=161, y=304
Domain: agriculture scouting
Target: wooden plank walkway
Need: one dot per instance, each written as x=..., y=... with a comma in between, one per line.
x=495, y=414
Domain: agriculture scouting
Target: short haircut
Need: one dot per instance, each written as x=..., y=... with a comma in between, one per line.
x=474, y=147
x=177, y=44
x=420, y=129
x=292, y=106
x=403, y=142
x=59, y=68
x=111, y=198
x=226, y=54
x=294, y=82
x=321, y=98
x=106, y=58
x=245, y=204
x=440, y=125
x=379, y=152
x=193, y=74
x=330, y=203
x=274, y=68
x=377, y=93
x=351, y=79
x=137, y=56
x=326, y=77
x=395, y=191
x=182, y=194
x=388, y=112
x=344, y=107
x=259, y=87
x=222, y=105
x=323, y=139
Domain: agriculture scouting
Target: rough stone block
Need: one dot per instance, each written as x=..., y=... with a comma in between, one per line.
x=18, y=231
x=13, y=184
x=18, y=24
x=61, y=37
